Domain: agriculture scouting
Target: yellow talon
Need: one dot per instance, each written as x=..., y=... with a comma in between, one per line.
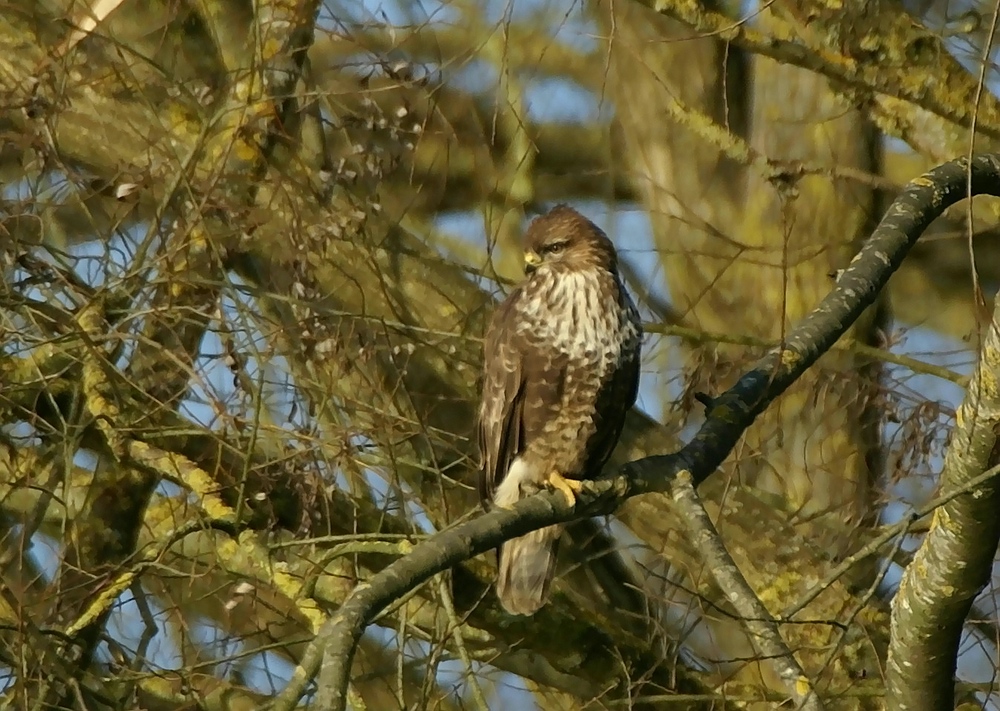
x=568, y=487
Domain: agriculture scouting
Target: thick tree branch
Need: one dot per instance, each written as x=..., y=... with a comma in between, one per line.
x=908, y=71
x=922, y=201
x=955, y=561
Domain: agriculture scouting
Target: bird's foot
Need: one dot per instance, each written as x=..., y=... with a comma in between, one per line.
x=567, y=487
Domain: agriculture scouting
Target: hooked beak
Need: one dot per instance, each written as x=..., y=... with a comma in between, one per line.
x=531, y=261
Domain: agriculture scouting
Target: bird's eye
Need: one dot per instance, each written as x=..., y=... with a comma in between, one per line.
x=554, y=248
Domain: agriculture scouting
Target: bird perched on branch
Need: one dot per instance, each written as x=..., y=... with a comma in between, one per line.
x=561, y=371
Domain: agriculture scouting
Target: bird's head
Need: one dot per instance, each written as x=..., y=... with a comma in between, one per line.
x=563, y=239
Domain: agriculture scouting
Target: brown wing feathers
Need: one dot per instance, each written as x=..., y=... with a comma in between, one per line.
x=500, y=421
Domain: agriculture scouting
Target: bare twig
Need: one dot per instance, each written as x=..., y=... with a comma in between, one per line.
x=697, y=335
x=897, y=530
x=463, y=653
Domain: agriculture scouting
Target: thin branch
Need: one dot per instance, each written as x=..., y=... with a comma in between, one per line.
x=923, y=200
x=897, y=530
x=437, y=554
x=917, y=206
x=463, y=653
x=697, y=335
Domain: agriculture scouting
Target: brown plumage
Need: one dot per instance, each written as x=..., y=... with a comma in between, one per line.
x=561, y=371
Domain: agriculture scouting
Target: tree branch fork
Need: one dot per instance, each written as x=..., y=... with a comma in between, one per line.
x=677, y=474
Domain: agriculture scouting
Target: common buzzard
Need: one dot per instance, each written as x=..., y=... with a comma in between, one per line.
x=561, y=372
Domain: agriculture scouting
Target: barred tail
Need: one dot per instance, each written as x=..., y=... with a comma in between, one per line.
x=527, y=565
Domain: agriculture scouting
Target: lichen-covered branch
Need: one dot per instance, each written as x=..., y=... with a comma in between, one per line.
x=215, y=558
x=955, y=560
x=230, y=156
x=901, y=68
